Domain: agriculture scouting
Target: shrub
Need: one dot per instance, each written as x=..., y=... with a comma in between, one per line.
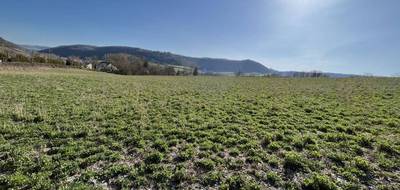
x=338, y=158
x=41, y=180
x=273, y=178
x=266, y=141
x=173, y=142
x=274, y=146
x=78, y=185
x=385, y=163
x=212, y=178
x=278, y=136
x=115, y=170
x=309, y=140
x=206, y=145
x=18, y=180
x=154, y=158
x=294, y=161
x=205, y=164
x=298, y=143
x=240, y=182
x=362, y=164
x=140, y=181
x=180, y=176
x=162, y=175
x=186, y=154
x=393, y=124
x=387, y=148
x=308, y=110
x=204, y=154
x=160, y=145
x=254, y=159
x=234, y=152
x=319, y=182
x=315, y=154
x=365, y=141
x=273, y=161
x=235, y=164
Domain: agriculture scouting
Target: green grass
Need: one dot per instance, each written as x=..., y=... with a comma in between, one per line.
x=77, y=129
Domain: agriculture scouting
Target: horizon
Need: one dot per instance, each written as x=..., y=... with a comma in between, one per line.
x=333, y=36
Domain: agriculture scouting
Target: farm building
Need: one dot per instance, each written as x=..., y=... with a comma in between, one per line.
x=106, y=67
x=89, y=66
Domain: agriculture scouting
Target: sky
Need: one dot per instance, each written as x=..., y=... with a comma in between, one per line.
x=345, y=36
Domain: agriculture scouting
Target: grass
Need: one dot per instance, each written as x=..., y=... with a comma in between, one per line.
x=63, y=128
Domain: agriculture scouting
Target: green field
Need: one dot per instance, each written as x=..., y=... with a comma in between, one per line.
x=77, y=129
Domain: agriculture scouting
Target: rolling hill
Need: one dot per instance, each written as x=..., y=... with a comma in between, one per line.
x=11, y=48
x=34, y=47
x=210, y=65
x=205, y=65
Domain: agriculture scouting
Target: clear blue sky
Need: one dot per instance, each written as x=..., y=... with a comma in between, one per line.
x=348, y=36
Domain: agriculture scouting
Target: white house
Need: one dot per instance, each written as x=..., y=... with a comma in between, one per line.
x=106, y=67
x=89, y=66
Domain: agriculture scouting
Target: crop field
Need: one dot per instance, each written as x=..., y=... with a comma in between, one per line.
x=73, y=129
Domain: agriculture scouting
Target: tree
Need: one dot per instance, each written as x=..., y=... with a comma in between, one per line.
x=169, y=71
x=3, y=56
x=195, y=71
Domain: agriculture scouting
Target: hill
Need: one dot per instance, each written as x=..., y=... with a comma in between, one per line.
x=11, y=48
x=23, y=53
x=204, y=64
x=16, y=54
x=34, y=47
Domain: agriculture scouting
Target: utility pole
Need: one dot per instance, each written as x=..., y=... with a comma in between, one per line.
x=2, y=52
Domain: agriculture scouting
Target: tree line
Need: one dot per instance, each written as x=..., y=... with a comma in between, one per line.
x=124, y=64
x=132, y=65
x=33, y=58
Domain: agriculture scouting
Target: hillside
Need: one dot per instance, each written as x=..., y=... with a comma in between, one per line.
x=16, y=54
x=204, y=64
x=34, y=47
x=11, y=48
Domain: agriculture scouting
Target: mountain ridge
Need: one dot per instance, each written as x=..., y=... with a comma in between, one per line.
x=205, y=64
x=33, y=47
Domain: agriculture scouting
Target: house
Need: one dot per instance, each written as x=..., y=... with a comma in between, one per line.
x=89, y=66
x=106, y=67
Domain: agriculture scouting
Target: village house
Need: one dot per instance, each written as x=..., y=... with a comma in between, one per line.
x=89, y=66
x=106, y=67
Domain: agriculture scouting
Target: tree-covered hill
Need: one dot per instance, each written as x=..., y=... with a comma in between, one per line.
x=204, y=64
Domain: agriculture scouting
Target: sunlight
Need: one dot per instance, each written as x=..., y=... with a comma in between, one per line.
x=302, y=7
x=297, y=10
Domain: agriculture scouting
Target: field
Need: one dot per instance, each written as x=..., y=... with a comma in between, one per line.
x=71, y=129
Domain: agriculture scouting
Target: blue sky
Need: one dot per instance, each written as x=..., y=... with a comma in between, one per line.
x=347, y=36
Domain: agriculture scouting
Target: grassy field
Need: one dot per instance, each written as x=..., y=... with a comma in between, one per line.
x=78, y=129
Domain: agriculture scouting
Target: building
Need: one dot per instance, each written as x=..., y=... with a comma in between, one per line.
x=89, y=66
x=106, y=67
